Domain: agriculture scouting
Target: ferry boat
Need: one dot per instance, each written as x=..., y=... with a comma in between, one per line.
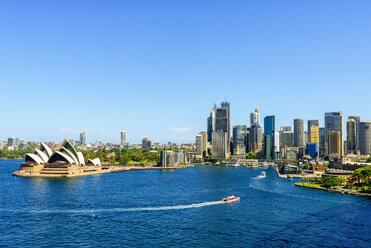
x=231, y=198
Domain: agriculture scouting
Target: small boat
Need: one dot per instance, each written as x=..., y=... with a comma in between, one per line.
x=231, y=198
x=290, y=179
x=263, y=174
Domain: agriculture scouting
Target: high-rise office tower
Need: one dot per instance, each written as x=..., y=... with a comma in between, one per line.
x=201, y=144
x=365, y=137
x=146, y=143
x=276, y=145
x=255, y=118
x=321, y=141
x=238, y=139
x=333, y=122
x=334, y=142
x=122, y=138
x=221, y=122
x=299, y=135
x=256, y=136
x=210, y=128
x=357, y=120
x=269, y=128
x=285, y=129
x=313, y=131
x=286, y=136
x=351, y=136
x=220, y=144
x=82, y=139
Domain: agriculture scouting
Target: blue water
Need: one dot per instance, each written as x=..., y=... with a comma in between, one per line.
x=176, y=208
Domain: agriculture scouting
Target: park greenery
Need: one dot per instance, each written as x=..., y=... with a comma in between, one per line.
x=16, y=153
x=123, y=156
x=251, y=155
x=360, y=180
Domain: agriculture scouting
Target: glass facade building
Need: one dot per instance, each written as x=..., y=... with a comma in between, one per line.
x=269, y=128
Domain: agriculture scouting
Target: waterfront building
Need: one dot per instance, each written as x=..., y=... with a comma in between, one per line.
x=171, y=158
x=299, y=135
x=256, y=139
x=321, y=141
x=357, y=119
x=269, y=128
x=312, y=150
x=146, y=143
x=13, y=141
x=351, y=143
x=238, y=139
x=122, y=138
x=313, y=131
x=255, y=118
x=220, y=145
x=201, y=144
x=334, y=142
x=65, y=161
x=365, y=137
x=333, y=122
x=82, y=139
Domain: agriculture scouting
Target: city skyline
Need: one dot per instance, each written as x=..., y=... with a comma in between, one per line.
x=155, y=69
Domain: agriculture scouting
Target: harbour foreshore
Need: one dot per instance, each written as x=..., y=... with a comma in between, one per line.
x=295, y=175
x=91, y=170
x=340, y=190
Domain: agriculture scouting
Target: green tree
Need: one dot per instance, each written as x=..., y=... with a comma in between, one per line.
x=251, y=155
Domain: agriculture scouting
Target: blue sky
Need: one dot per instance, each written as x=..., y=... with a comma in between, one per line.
x=155, y=68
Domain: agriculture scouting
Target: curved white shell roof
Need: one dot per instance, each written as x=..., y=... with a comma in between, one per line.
x=95, y=161
x=42, y=155
x=71, y=155
x=65, y=156
x=35, y=158
x=49, y=151
x=81, y=159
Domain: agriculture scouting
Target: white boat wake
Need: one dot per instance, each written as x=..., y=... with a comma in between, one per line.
x=94, y=211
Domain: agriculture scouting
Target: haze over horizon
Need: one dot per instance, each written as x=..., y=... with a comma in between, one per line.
x=155, y=68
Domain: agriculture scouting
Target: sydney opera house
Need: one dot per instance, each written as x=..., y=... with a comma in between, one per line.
x=64, y=162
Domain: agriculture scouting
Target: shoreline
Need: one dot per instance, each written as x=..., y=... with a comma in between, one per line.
x=92, y=170
x=340, y=191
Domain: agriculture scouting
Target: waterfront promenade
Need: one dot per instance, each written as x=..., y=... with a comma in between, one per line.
x=90, y=170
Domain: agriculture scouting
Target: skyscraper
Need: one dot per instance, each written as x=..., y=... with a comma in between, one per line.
x=313, y=131
x=334, y=143
x=255, y=118
x=365, y=137
x=256, y=136
x=333, y=122
x=357, y=120
x=82, y=139
x=221, y=123
x=238, y=139
x=299, y=136
x=220, y=146
x=123, y=138
x=269, y=128
x=210, y=128
x=146, y=143
x=201, y=144
x=321, y=141
x=286, y=137
x=351, y=136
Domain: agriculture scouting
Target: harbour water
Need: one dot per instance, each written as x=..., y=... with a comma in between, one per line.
x=177, y=208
